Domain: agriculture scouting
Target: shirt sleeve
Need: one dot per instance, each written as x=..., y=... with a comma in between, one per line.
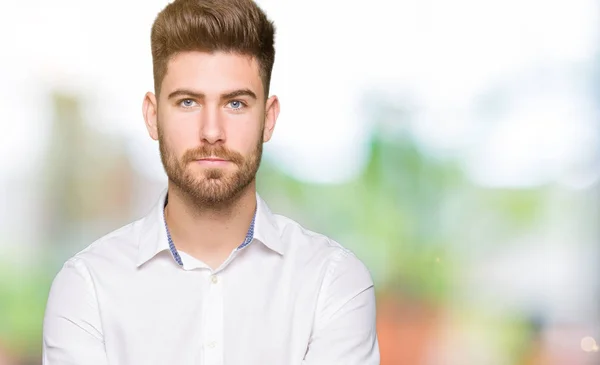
x=72, y=333
x=345, y=331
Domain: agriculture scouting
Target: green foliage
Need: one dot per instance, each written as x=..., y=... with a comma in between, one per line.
x=388, y=215
x=23, y=295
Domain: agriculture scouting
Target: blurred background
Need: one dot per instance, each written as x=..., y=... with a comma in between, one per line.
x=454, y=146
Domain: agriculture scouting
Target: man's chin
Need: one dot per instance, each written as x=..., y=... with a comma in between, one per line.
x=202, y=174
x=208, y=197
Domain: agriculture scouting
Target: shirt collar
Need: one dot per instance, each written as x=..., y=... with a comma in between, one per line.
x=266, y=229
x=153, y=235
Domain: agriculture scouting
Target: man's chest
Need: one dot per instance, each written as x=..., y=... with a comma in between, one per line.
x=199, y=318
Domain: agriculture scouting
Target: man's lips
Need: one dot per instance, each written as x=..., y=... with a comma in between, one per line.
x=216, y=159
x=212, y=161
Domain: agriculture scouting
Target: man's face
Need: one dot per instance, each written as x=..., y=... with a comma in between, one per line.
x=211, y=121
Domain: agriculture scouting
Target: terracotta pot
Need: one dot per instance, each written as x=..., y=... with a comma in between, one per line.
x=405, y=330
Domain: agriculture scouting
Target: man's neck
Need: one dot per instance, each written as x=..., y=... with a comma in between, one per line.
x=209, y=233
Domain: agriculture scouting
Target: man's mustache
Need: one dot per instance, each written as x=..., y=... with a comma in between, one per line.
x=220, y=152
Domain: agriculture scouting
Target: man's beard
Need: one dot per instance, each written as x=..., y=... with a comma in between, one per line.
x=214, y=187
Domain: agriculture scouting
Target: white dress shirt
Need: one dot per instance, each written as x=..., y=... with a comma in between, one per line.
x=290, y=297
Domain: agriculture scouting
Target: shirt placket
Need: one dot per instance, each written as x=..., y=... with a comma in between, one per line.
x=213, y=319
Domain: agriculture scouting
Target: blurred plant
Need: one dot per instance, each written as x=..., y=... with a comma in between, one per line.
x=23, y=294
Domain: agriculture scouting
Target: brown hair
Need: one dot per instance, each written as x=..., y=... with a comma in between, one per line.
x=237, y=26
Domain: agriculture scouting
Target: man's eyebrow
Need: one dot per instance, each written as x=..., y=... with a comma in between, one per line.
x=240, y=92
x=185, y=92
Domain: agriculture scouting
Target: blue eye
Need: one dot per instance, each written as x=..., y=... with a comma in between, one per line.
x=236, y=104
x=187, y=103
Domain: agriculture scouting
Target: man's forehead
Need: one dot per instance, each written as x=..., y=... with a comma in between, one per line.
x=215, y=70
x=196, y=61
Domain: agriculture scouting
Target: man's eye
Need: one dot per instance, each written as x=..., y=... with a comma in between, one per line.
x=236, y=104
x=187, y=103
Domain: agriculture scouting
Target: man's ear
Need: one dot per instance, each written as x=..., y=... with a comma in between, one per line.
x=271, y=114
x=150, y=111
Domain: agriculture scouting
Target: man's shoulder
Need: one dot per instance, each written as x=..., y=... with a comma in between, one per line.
x=291, y=229
x=121, y=242
x=306, y=242
x=317, y=250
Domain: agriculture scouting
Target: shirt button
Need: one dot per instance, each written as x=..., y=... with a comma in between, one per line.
x=214, y=279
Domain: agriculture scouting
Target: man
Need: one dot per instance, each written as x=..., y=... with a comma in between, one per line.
x=210, y=276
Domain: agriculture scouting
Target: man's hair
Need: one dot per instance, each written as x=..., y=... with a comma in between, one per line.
x=236, y=26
